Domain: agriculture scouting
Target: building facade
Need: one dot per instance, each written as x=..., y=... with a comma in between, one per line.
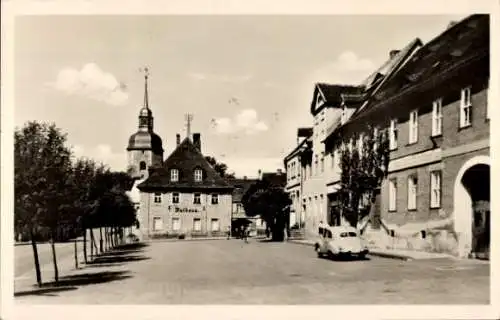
x=435, y=111
x=294, y=177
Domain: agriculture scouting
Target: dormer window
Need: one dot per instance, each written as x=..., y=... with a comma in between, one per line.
x=198, y=175
x=174, y=175
x=142, y=165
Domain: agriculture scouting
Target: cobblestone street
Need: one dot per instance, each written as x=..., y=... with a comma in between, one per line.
x=232, y=272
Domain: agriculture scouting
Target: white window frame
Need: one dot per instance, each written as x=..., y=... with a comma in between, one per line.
x=194, y=198
x=176, y=226
x=198, y=175
x=155, y=225
x=412, y=192
x=174, y=175
x=178, y=197
x=436, y=180
x=413, y=127
x=393, y=193
x=437, y=117
x=393, y=134
x=465, y=107
x=195, y=224
x=157, y=197
x=214, y=196
x=360, y=144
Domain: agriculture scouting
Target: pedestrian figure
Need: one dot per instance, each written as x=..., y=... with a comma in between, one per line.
x=228, y=233
x=245, y=234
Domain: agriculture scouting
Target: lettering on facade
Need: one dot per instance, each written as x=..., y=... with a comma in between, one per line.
x=179, y=210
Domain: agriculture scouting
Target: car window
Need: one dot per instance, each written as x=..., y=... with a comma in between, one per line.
x=348, y=234
x=320, y=231
x=328, y=234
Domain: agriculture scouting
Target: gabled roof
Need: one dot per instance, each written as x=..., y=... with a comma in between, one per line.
x=241, y=186
x=185, y=158
x=332, y=94
x=461, y=41
x=377, y=80
x=301, y=146
x=274, y=179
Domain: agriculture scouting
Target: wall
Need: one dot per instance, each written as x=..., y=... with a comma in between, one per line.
x=205, y=212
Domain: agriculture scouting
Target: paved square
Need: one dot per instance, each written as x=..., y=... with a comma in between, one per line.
x=232, y=272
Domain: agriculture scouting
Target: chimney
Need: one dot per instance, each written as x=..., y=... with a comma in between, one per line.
x=451, y=24
x=280, y=171
x=393, y=53
x=197, y=141
x=178, y=139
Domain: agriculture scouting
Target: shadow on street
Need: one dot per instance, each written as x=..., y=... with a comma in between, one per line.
x=68, y=283
x=119, y=256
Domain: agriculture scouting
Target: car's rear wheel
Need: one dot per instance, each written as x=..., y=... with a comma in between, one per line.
x=318, y=251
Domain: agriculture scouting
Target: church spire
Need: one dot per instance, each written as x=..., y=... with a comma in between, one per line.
x=146, y=98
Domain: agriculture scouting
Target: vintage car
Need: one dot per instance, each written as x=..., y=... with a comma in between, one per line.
x=339, y=241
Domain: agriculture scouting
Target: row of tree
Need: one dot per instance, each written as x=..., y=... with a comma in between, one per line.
x=58, y=197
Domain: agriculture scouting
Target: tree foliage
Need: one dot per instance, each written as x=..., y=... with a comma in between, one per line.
x=269, y=202
x=56, y=197
x=362, y=173
x=220, y=167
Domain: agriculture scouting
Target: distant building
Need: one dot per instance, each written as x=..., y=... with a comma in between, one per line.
x=239, y=217
x=185, y=195
x=294, y=176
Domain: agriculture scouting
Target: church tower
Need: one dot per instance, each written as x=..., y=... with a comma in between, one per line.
x=145, y=148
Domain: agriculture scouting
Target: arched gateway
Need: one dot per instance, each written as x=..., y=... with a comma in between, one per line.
x=472, y=208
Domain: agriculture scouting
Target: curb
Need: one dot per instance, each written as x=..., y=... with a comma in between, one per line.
x=370, y=253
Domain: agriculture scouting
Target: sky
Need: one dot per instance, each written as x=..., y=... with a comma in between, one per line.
x=247, y=80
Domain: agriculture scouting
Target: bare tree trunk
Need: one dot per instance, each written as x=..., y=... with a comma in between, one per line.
x=85, y=245
x=91, y=245
x=54, y=257
x=35, y=256
x=76, y=253
x=100, y=240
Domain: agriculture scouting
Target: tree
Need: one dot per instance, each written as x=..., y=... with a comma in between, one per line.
x=220, y=167
x=271, y=203
x=41, y=165
x=362, y=174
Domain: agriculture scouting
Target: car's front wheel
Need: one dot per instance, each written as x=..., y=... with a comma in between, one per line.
x=318, y=250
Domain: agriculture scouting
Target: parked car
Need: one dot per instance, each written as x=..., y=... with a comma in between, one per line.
x=340, y=241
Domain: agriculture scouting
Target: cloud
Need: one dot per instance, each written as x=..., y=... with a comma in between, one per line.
x=91, y=82
x=246, y=121
x=102, y=153
x=224, y=78
x=348, y=68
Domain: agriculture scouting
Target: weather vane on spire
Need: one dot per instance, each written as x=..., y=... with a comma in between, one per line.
x=146, y=75
x=189, y=118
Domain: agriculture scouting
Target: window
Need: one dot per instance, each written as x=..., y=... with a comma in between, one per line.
x=375, y=138
x=435, y=189
x=322, y=163
x=142, y=165
x=360, y=144
x=393, y=134
x=465, y=108
x=197, y=198
x=413, y=126
x=175, y=197
x=174, y=175
x=332, y=158
x=412, y=192
x=157, y=197
x=197, y=224
x=214, y=225
x=157, y=224
x=239, y=207
x=393, y=190
x=437, y=117
x=310, y=171
x=198, y=175
x=215, y=198
x=176, y=224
